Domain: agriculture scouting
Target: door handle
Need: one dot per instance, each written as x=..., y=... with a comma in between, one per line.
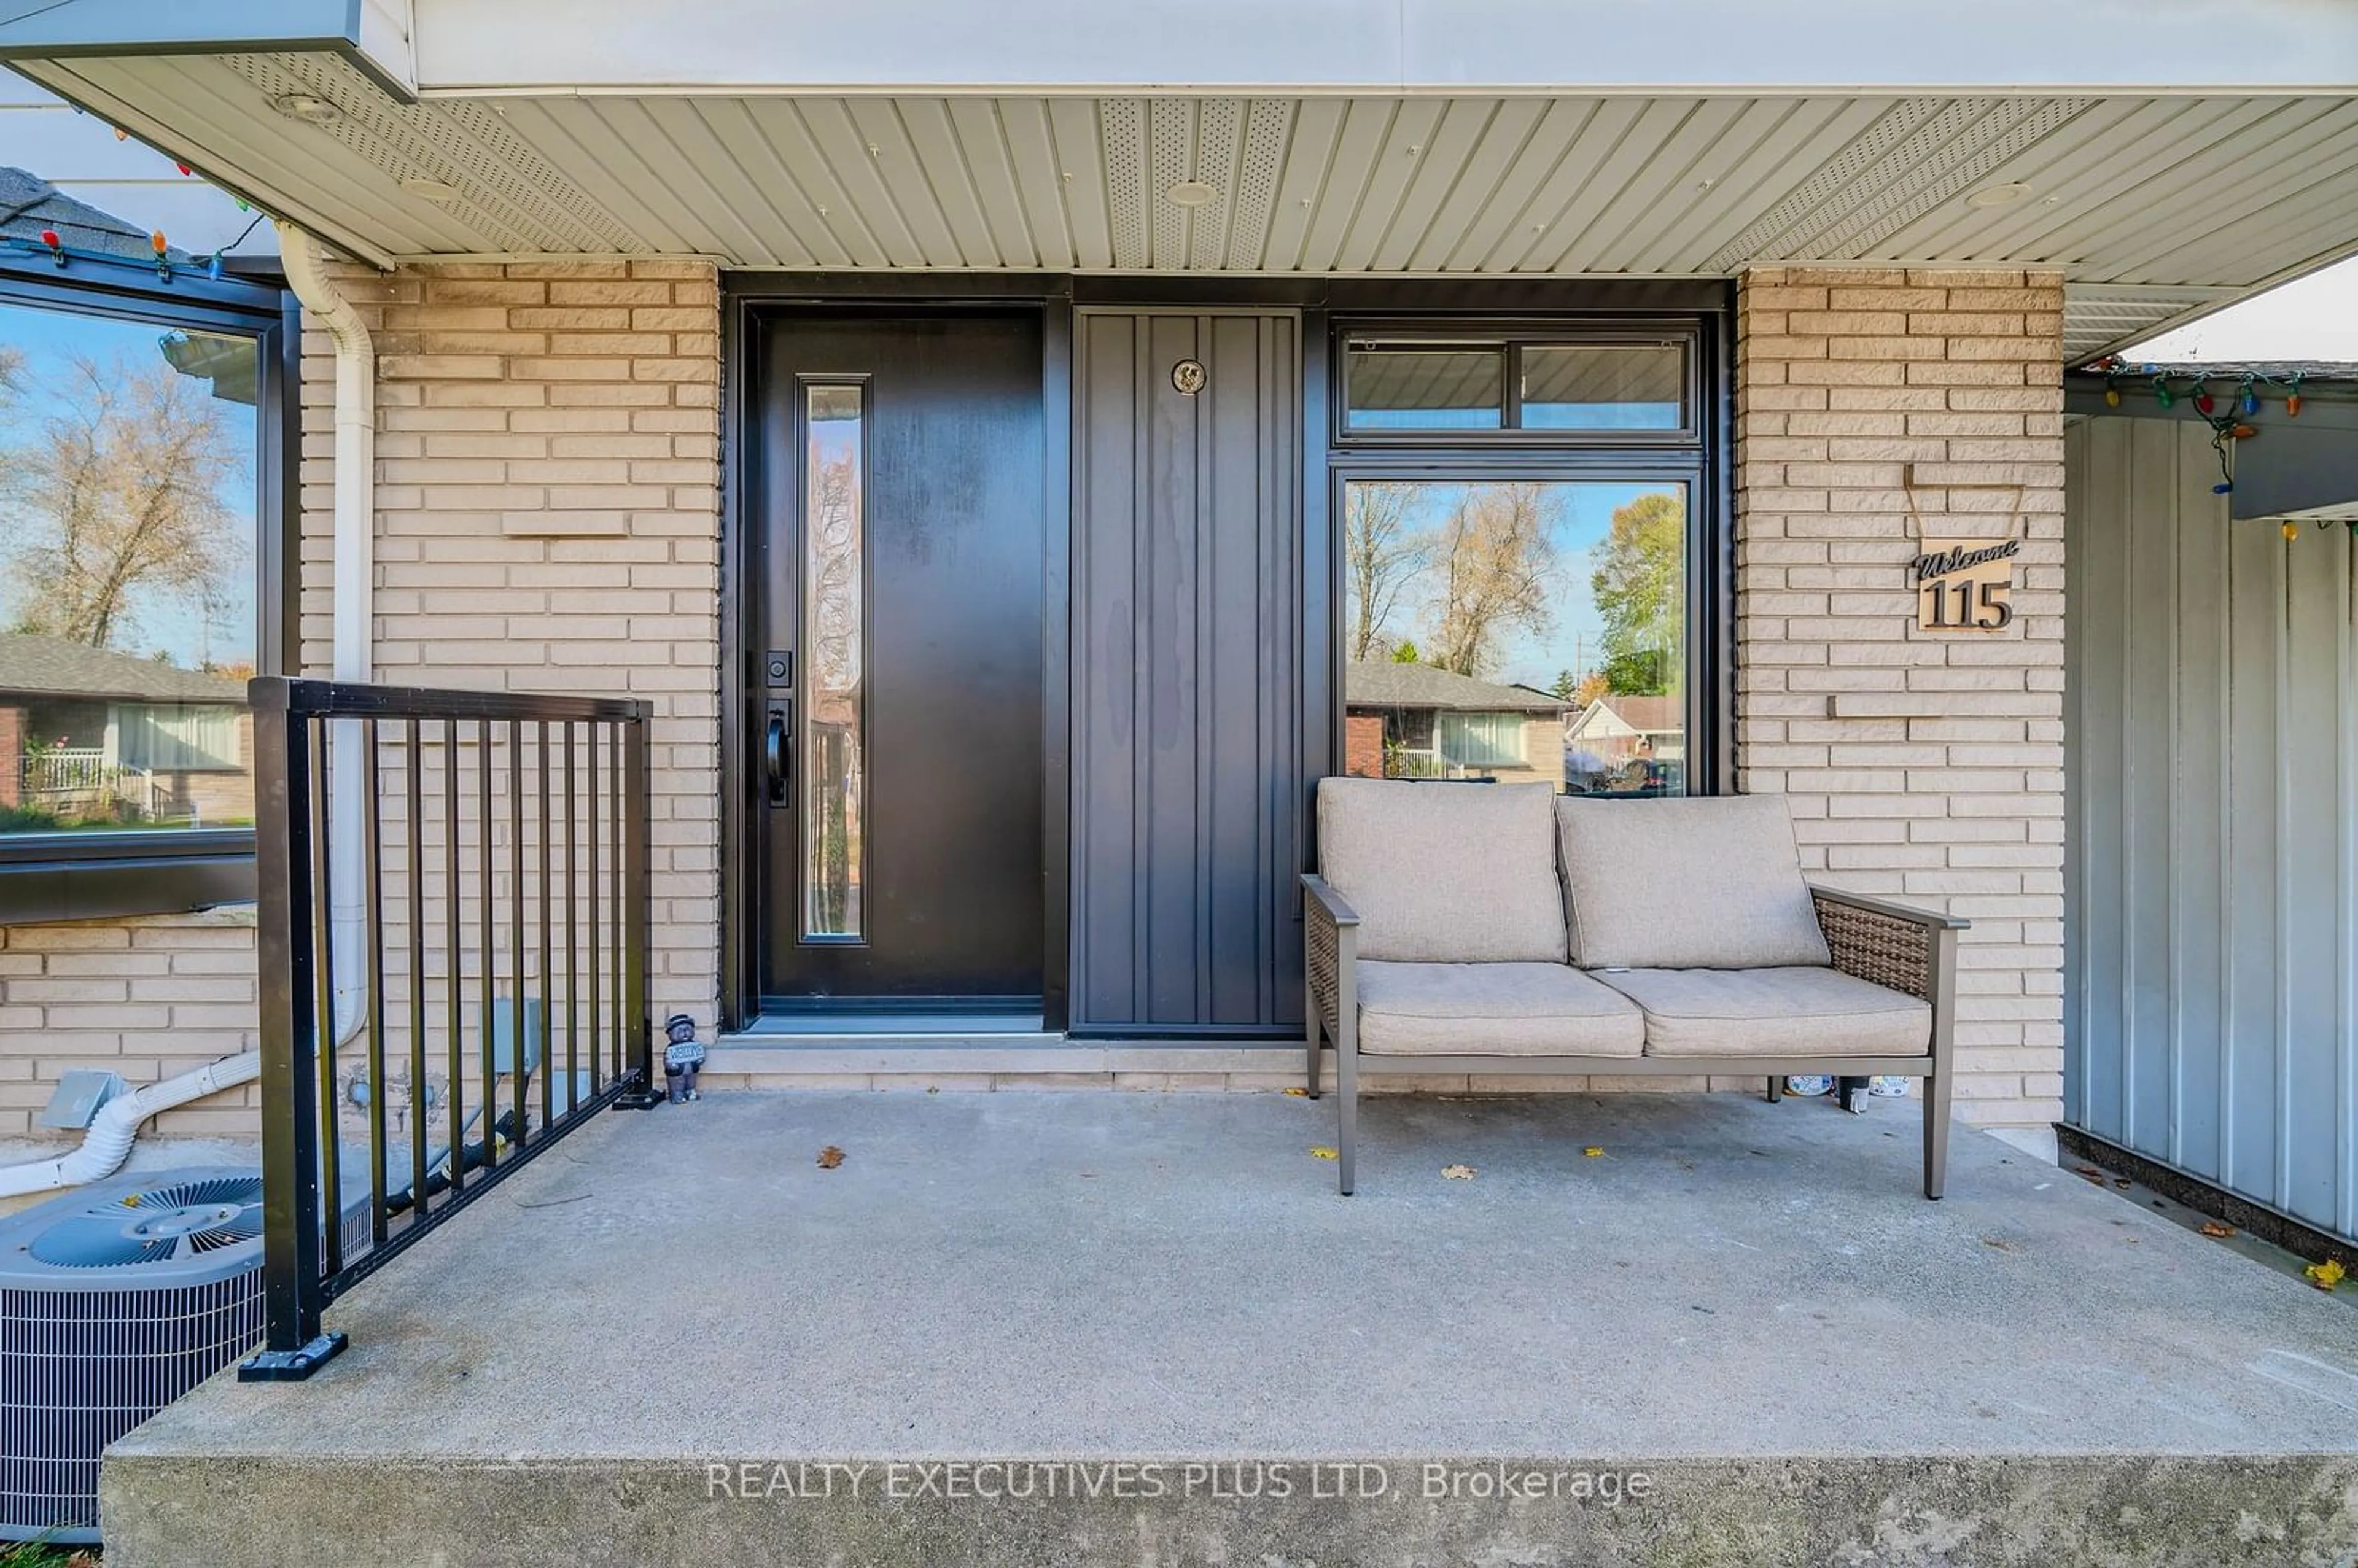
x=773, y=753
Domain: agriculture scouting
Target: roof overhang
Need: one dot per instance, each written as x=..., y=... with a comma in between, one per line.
x=614, y=131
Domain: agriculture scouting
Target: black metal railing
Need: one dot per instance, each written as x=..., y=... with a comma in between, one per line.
x=453, y=943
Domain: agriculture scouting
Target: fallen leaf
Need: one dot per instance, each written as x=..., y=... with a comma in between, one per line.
x=2325, y=1275
x=829, y=1158
x=2090, y=1171
x=1996, y=1242
x=2121, y=1181
x=1297, y=1091
x=2212, y=1227
x=1457, y=1172
x=1320, y=1152
x=1594, y=1150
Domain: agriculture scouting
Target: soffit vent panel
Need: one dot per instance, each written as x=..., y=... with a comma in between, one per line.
x=506, y=190
x=2197, y=192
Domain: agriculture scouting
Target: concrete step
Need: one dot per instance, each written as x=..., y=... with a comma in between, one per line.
x=1926, y=1511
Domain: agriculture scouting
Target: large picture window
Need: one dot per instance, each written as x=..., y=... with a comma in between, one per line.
x=127, y=602
x=1525, y=549
x=1533, y=630
x=142, y=437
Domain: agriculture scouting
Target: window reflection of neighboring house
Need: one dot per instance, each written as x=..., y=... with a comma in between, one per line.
x=1615, y=727
x=1416, y=722
x=88, y=734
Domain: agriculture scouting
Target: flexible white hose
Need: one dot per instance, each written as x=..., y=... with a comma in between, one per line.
x=108, y=1141
x=355, y=582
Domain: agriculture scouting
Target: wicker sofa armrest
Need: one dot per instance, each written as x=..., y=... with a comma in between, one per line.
x=1330, y=930
x=1894, y=945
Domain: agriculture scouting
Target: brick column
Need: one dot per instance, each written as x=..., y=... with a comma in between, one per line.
x=1923, y=766
x=548, y=509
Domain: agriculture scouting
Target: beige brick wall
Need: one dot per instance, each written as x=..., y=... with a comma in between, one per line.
x=1920, y=765
x=146, y=998
x=549, y=472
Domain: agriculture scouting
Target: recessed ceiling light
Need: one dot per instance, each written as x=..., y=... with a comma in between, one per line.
x=304, y=106
x=1191, y=193
x=431, y=189
x=1998, y=195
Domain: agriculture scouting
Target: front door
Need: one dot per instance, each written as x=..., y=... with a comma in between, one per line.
x=900, y=660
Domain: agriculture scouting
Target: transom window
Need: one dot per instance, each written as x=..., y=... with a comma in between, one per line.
x=1452, y=386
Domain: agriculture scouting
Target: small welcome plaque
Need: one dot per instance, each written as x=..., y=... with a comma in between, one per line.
x=1965, y=585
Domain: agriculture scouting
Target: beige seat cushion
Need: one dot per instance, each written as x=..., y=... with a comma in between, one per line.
x=1493, y=1010
x=1708, y=883
x=1444, y=873
x=1784, y=1012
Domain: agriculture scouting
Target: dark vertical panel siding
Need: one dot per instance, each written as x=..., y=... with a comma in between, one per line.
x=2214, y=826
x=1105, y=616
x=1186, y=745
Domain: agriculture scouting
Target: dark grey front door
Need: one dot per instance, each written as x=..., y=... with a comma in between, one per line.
x=901, y=661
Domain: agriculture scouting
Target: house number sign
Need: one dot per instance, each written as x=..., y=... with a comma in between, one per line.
x=1187, y=377
x=1964, y=585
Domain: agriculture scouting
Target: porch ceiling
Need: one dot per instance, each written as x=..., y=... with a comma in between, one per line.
x=2157, y=205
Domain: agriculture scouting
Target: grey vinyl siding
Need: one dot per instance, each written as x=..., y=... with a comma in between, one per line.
x=2213, y=830
x=1187, y=776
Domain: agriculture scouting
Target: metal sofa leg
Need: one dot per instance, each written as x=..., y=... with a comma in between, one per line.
x=1346, y=1108
x=1936, y=1132
x=1776, y=1088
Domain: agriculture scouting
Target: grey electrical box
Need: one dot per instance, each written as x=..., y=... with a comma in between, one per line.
x=79, y=1094
x=503, y=1017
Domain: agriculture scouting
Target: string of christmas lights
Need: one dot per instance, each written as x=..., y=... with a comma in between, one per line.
x=2226, y=429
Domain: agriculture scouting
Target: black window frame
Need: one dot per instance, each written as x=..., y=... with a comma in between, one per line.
x=1698, y=455
x=48, y=877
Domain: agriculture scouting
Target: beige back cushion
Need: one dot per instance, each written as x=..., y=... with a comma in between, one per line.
x=1444, y=873
x=1707, y=883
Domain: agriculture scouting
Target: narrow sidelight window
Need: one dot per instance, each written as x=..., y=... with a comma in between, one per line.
x=832, y=748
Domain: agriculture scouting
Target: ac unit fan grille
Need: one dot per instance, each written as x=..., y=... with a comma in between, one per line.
x=155, y=1225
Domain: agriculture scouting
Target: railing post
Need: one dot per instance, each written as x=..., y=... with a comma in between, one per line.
x=637, y=889
x=293, y=1291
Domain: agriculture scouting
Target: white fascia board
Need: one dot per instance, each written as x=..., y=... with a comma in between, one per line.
x=1394, y=46
x=373, y=35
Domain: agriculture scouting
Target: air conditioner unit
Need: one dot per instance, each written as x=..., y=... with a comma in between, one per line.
x=116, y=1299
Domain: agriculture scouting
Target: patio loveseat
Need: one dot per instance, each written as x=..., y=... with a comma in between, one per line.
x=1487, y=929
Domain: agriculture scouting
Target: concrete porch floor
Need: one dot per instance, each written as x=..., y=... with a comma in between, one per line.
x=1748, y=1304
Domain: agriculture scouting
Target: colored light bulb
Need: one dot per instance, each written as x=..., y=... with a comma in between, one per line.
x=2250, y=401
x=2291, y=532
x=2161, y=395
x=49, y=238
x=184, y=169
x=2292, y=406
x=2111, y=398
x=2204, y=403
x=156, y=239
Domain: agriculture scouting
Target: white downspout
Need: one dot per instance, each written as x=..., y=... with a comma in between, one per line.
x=108, y=1141
x=356, y=612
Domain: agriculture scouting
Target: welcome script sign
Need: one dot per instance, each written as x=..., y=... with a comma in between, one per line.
x=1965, y=585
